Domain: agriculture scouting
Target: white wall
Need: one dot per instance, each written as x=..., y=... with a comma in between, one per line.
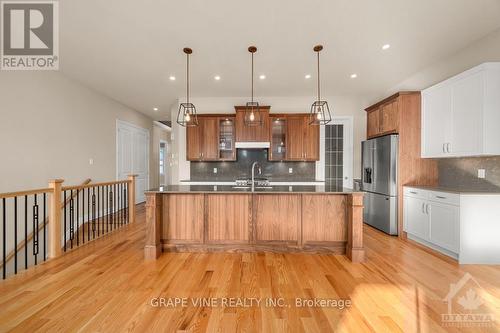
x=50, y=126
x=339, y=106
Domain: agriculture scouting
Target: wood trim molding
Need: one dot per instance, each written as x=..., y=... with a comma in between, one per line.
x=355, y=250
x=152, y=249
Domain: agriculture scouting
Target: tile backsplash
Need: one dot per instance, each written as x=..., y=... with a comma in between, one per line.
x=275, y=171
x=462, y=173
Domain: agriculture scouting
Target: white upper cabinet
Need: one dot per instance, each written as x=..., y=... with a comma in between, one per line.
x=461, y=116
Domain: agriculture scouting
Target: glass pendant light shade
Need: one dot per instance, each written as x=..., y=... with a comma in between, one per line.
x=253, y=116
x=186, y=116
x=320, y=111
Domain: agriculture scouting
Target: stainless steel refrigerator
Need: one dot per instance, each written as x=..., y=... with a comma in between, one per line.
x=379, y=181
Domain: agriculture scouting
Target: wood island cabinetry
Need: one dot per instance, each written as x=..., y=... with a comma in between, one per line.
x=214, y=219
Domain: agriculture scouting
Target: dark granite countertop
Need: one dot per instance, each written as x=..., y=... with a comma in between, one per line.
x=331, y=189
x=457, y=190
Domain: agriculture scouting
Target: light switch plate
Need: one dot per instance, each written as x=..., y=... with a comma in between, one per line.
x=481, y=173
x=290, y=170
x=215, y=170
x=91, y=161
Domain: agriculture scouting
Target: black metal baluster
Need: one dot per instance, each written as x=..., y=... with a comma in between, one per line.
x=25, y=232
x=44, y=226
x=15, y=235
x=35, y=229
x=98, y=213
x=88, y=214
x=107, y=207
x=4, y=243
x=110, y=209
x=102, y=209
x=77, y=217
x=64, y=194
x=71, y=219
x=83, y=215
x=119, y=204
x=126, y=203
x=93, y=212
x=114, y=205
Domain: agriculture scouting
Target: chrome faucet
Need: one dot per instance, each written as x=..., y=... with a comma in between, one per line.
x=255, y=164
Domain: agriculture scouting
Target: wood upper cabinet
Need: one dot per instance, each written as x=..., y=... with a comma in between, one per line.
x=383, y=118
x=245, y=133
x=278, y=138
x=203, y=140
x=389, y=117
x=302, y=139
x=373, y=123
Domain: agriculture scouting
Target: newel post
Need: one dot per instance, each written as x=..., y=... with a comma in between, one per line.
x=355, y=249
x=54, y=232
x=131, y=198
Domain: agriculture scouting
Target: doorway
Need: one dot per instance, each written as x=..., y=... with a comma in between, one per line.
x=132, y=156
x=162, y=158
x=337, y=152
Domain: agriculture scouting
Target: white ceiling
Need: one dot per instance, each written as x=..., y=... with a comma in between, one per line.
x=128, y=49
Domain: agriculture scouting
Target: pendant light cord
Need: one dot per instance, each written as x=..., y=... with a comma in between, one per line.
x=187, y=75
x=252, y=77
x=318, y=80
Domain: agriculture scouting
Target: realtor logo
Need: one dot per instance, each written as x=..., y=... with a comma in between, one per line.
x=469, y=305
x=30, y=36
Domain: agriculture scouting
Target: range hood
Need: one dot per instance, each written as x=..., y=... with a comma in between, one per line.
x=252, y=144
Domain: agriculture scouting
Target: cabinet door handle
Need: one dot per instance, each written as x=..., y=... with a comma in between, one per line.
x=427, y=209
x=413, y=192
x=440, y=197
x=423, y=207
x=448, y=149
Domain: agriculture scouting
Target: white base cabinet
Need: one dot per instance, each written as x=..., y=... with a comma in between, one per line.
x=464, y=226
x=461, y=115
x=432, y=217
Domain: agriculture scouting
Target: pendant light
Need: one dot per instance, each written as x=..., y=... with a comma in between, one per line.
x=187, y=112
x=252, y=112
x=320, y=112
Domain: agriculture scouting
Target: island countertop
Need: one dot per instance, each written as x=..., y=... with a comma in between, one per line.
x=274, y=189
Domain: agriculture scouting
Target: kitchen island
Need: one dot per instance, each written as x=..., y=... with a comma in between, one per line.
x=314, y=219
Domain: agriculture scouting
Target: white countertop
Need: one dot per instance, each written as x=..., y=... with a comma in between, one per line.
x=464, y=191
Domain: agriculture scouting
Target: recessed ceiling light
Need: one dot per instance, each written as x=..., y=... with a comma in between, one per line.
x=353, y=76
x=155, y=109
x=172, y=78
x=386, y=46
x=308, y=76
x=262, y=76
x=217, y=77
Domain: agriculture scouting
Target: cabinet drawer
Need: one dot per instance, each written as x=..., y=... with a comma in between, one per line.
x=445, y=197
x=415, y=193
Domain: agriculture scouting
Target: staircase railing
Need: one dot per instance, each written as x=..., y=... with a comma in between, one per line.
x=76, y=215
x=41, y=226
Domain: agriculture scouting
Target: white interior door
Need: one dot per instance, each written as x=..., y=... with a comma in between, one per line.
x=132, y=156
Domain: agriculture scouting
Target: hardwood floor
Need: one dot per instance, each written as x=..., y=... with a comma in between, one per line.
x=107, y=286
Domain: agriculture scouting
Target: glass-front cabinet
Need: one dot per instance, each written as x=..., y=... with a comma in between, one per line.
x=227, y=150
x=277, y=151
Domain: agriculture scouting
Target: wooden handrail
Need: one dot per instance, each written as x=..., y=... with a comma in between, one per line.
x=23, y=193
x=80, y=187
x=20, y=246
